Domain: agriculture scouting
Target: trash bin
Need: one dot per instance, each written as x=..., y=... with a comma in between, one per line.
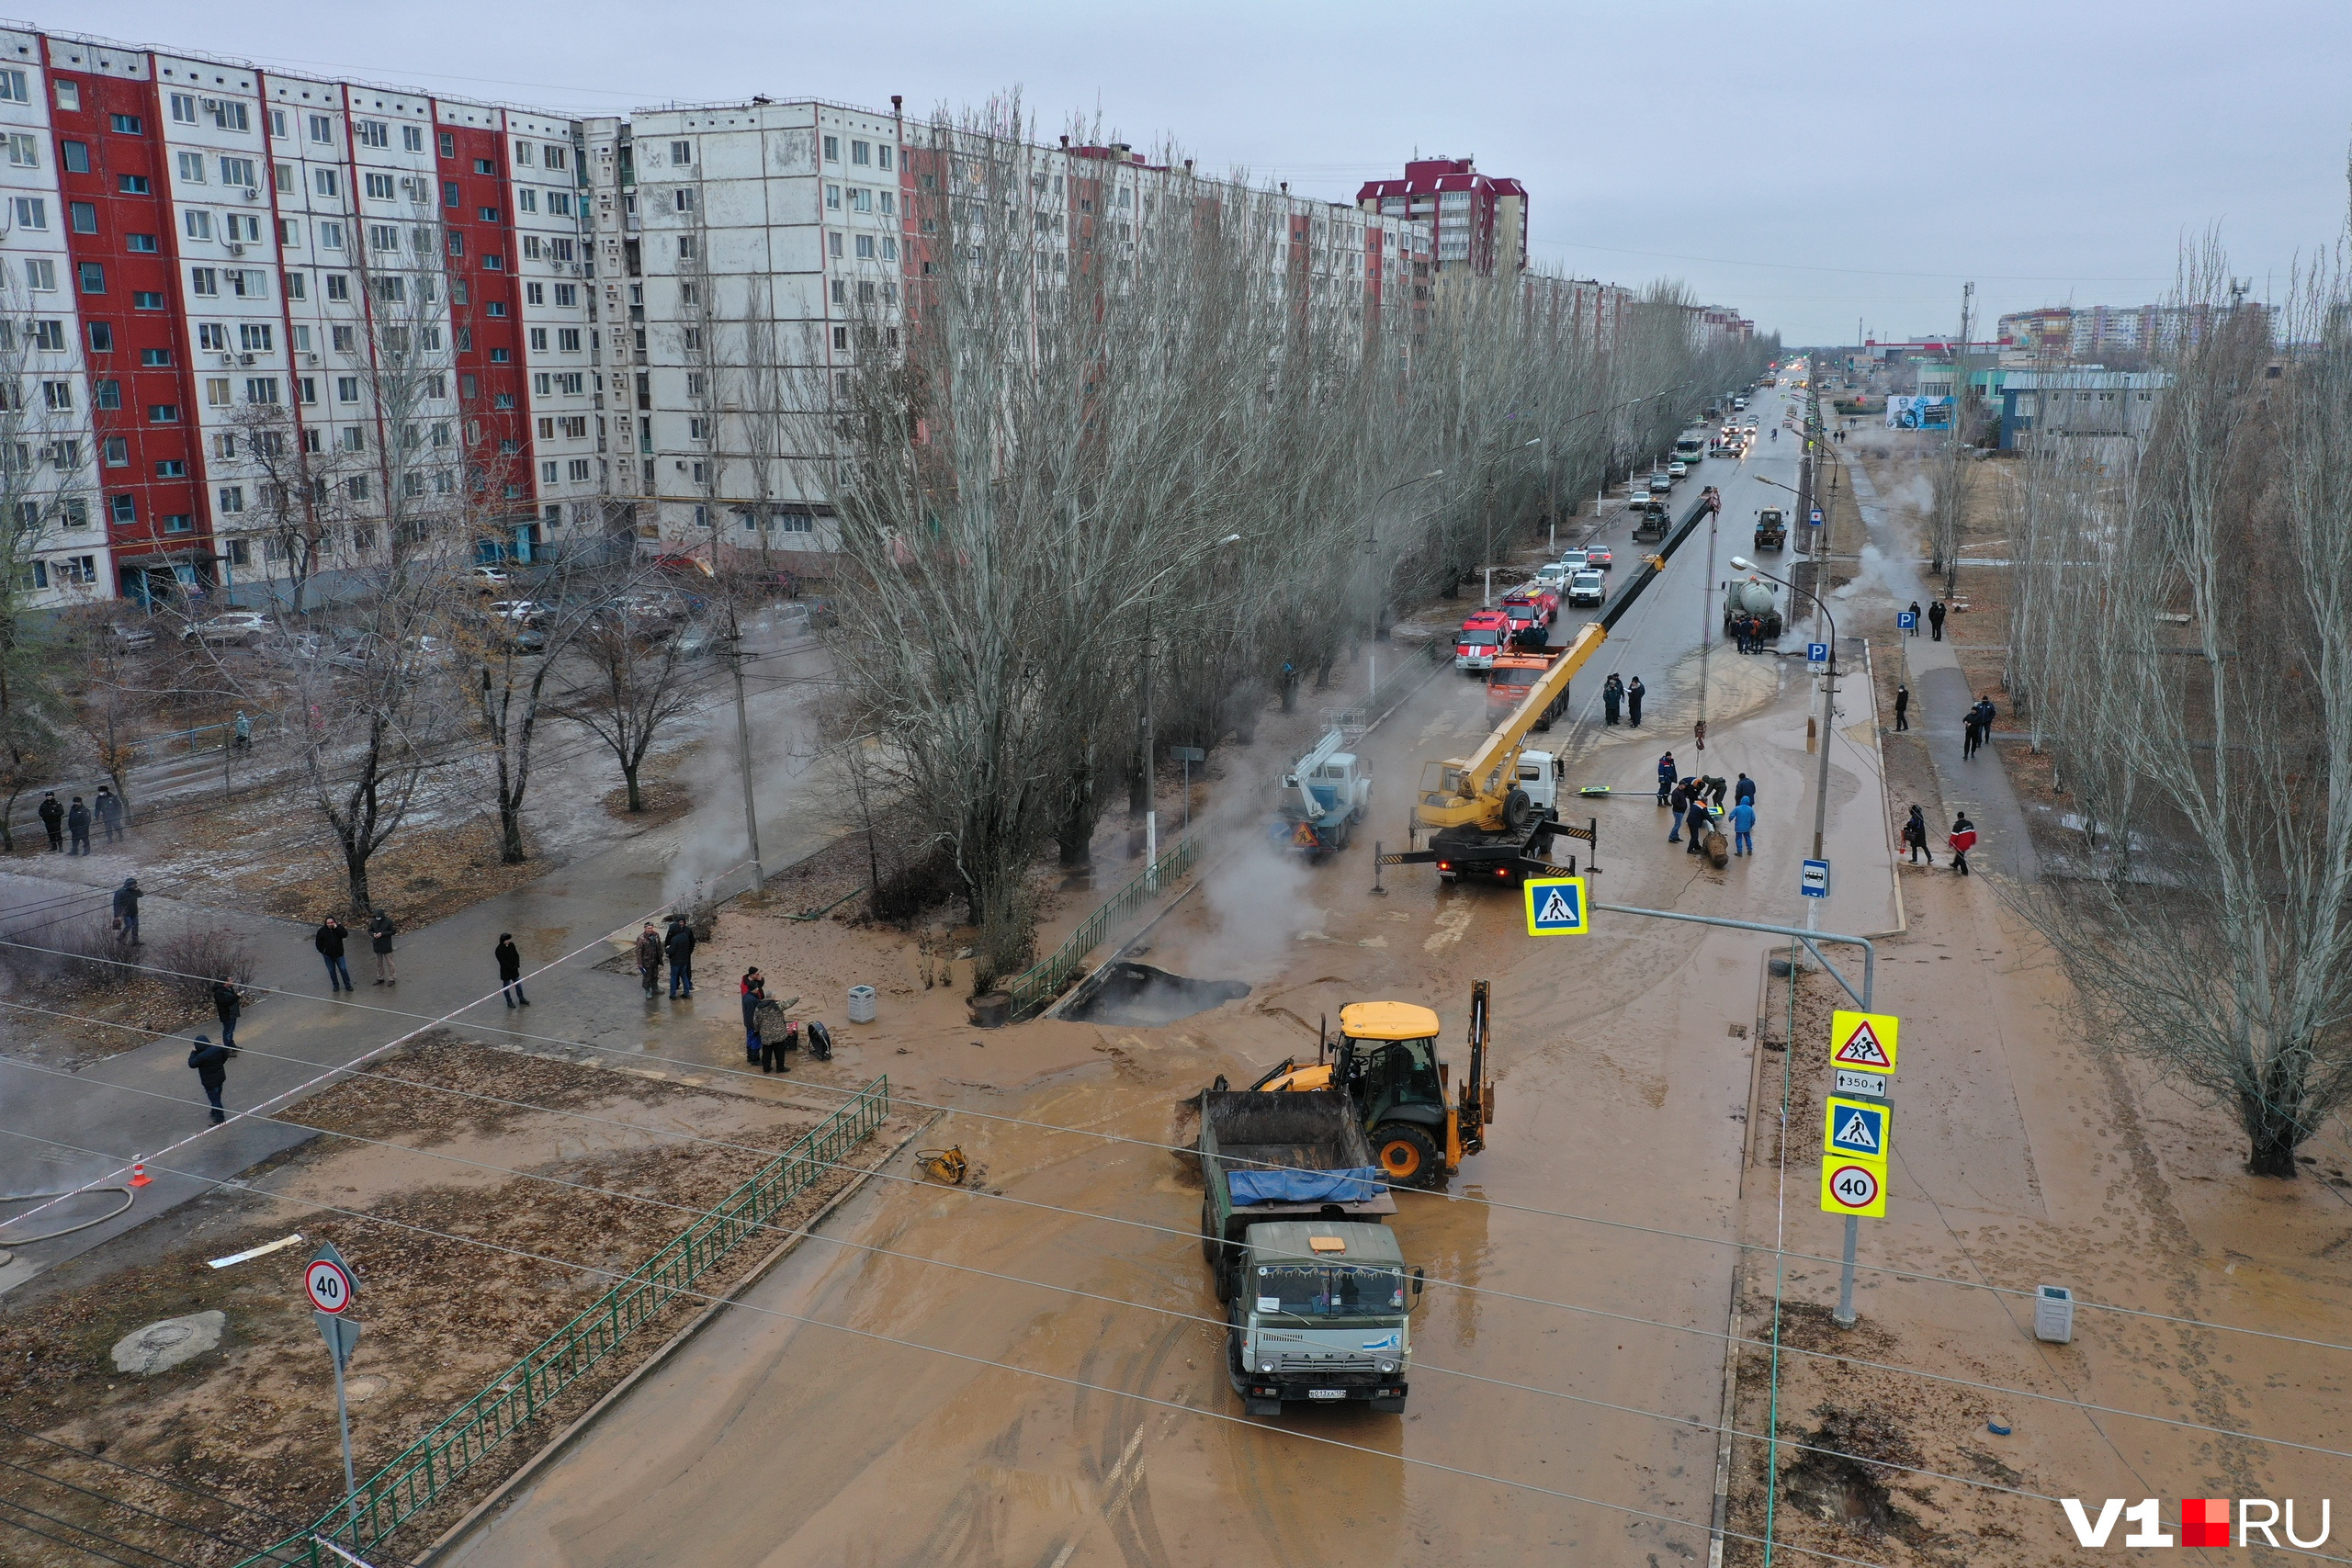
x=861, y=1004
x=2054, y=1315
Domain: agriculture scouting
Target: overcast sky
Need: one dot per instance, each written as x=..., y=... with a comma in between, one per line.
x=1809, y=163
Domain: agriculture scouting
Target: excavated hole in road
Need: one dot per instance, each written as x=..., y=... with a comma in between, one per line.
x=1138, y=994
x=1846, y=1484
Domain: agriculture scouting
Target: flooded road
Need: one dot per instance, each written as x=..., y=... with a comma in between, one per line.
x=1031, y=1369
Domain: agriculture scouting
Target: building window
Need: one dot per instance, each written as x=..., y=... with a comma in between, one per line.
x=163, y=414
x=125, y=124
x=116, y=452
x=178, y=523
x=346, y=388
x=101, y=337
x=860, y=153
x=832, y=149
x=24, y=150
x=233, y=498
x=449, y=144
x=31, y=211
x=203, y=280
x=94, y=277
x=144, y=245
x=196, y=221
x=882, y=155
x=132, y=184
x=147, y=299
x=832, y=198
x=69, y=95
x=122, y=510
x=170, y=469
x=15, y=88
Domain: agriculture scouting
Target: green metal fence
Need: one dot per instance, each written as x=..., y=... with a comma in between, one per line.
x=428, y=1467
x=1035, y=990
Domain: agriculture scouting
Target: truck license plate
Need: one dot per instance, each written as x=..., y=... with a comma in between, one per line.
x=1326, y=1394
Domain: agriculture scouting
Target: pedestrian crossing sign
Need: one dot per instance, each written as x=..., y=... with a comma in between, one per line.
x=1855, y=1126
x=1864, y=1040
x=1556, y=907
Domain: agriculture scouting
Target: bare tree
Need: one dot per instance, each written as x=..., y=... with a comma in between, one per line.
x=2193, y=676
x=637, y=686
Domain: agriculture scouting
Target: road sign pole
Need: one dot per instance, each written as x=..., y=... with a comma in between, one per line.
x=343, y=1416
x=1846, y=1275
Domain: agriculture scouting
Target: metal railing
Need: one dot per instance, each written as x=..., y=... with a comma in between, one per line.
x=421, y=1473
x=1036, y=989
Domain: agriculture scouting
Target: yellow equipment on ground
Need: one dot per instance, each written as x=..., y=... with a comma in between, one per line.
x=1385, y=1059
x=943, y=1165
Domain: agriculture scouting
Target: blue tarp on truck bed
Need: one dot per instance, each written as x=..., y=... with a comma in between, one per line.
x=1359, y=1185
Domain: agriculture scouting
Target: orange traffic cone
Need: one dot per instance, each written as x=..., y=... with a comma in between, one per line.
x=139, y=1176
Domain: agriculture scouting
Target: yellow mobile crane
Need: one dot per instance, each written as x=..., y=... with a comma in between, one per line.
x=1482, y=820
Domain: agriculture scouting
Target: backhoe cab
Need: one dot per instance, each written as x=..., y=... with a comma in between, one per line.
x=1385, y=1060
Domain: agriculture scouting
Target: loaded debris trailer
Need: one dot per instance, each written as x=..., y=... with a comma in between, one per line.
x=1318, y=1297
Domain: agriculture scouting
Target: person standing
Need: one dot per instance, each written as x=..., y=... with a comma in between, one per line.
x=381, y=932
x=227, y=1006
x=1695, y=821
x=1968, y=742
x=678, y=946
x=1612, y=692
x=1667, y=773
x=1985, y=714
x=211, y=1065
x=126, y=911
x=110, y=809
x=1915, y=834
x=1936, y=619
x=510, y=970
x=52, y=819
x=1962, y=840
x=77, y=827
x=649, y=960
x=329, y=940
x=754, y=991
x=242, y=731
x=1744, y=789
x=1743, y=824
x=1903, y=706
x=1913, y=628
x=1680, y=805
x=1634, y=690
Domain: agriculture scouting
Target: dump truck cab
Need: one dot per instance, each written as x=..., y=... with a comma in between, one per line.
x=1323, y=1316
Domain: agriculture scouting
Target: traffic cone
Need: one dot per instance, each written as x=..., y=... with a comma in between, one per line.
x=139, y=1176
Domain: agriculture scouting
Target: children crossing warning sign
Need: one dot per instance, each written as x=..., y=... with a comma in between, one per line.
x=1864, y=1040
x=1556, y=907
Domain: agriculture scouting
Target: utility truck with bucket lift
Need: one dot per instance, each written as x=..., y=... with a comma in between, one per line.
x=1324, y=795
x=1482, y=822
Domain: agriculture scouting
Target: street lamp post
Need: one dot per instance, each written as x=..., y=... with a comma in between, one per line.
x=1150, y=742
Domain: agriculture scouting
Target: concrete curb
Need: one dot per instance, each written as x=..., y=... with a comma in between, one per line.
x=562, y=1440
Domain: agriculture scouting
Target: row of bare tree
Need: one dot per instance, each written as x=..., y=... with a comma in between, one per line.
x=2179, y=640
x=1164, y=476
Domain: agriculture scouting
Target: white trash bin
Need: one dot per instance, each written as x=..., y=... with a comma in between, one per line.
x=861, y=1004
x=2054, y=1315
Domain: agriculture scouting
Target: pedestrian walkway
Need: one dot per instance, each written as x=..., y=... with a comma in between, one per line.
x=1940, y=699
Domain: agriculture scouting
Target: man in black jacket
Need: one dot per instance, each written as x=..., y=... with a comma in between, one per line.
x=77, y=827
x=329, y=942
x=381, y=932
x=211, y=1065
x=228, y=1004
x=126, y=911
x=52, y=818
x=679, y=945
x=510, y=969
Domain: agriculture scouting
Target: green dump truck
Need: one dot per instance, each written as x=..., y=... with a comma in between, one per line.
x=1293, y=1225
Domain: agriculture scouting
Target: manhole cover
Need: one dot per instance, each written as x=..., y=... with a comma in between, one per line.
x=167, y=1344
x=358, y=1389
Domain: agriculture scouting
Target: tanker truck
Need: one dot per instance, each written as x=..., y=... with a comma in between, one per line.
x=1752, y=596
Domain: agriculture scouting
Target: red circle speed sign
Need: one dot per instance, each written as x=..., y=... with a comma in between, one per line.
x=328, y=1286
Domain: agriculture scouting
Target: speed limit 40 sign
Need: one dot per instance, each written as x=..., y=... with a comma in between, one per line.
x=1854, y=1187
x=327, y=1280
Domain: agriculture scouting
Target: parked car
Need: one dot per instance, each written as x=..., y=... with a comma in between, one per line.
x=126, y=636
x=1588, y=587
x=517, y=609
x=311, y=648
x=1570, y=560
x=1678, y=470
x=1599, y=555
x=1551, y=575
x=234, y=628
x=1661, y=483
x=489, y=578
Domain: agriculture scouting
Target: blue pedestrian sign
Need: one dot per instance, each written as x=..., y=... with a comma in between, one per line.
x=1816, y=653
x=1816, y=518
x=1556, y=906
x=1814, y=883
x=1856, y=1127
x=1906, y=620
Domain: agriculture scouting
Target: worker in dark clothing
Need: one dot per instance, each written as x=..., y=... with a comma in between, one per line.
x=1743, y=790
x=109, y=806
x=228, y=1005
x=678, y=945
x=1915, y=834
x=1679, y=804
x=510, y=969
x=1716, y=788
x=1667, y=773
x=381, y=932
x=1970, y=737
x=211, y=1065
x=77, y=827
x=126, y=911
x=1697, y=821
x=1935, y=620
x=1902, y=708
x=1634, y=690
x=329, y=940
x=52, y=819
x=649, y=960
x=1914, y=630
x=754, y=991
x=1612, y=692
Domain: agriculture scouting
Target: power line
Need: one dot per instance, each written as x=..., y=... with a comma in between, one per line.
x=1913, y=1275
x=1065, y=1380
x=273, y=1520
x=85, y=1530
x=124, y=1503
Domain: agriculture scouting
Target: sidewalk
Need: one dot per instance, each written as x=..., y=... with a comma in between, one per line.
x=1940, y=699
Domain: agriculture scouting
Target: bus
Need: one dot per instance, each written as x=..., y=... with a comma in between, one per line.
x=1691, y=448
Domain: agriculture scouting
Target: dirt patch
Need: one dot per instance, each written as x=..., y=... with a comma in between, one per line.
x=251, y=1426
x=660, y=799
x=253, y=848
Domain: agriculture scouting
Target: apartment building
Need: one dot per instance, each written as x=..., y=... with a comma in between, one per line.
x=212, y=269
x=1480, y=222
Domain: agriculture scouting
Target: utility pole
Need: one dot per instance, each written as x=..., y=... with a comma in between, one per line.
x=1151, y=801
x=743, y=740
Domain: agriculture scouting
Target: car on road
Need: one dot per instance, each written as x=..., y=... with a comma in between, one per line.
x=1587, y=588
x=1739, y=402
x=1570, y=560
x=233, y=628
x=1482, y=633
x=1551, y=575
x=1678, y=470
x=1661, y=483
x=1599, y=556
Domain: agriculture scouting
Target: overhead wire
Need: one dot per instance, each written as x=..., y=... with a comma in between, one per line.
x=1179, y=1406
x=1192, y=1236
x=85, y=1530
x=1665, y=1233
